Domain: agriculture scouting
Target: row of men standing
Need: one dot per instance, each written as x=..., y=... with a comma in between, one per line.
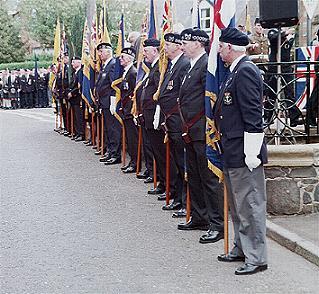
x=24, y=89
x=175, y=117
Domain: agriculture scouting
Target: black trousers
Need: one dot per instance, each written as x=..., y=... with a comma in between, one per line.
x=112, y=129
x=78, y=120
x=177, y=156
x=147, y=152
x=131, y=134
x=29, y=100
x=206, y=192
x=156, y=138
x=64, y=113
x=313, y=103
x=23, y=100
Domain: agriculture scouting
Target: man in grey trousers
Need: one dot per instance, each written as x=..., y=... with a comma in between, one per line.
x=238, y=117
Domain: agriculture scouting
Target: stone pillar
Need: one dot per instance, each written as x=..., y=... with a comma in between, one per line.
x=292, y=179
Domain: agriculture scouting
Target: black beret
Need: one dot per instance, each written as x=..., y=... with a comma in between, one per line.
x=76, y=58
x=173, y=38
x=104, y=46
x=151, y=43
x=257, y=20
x=195, y=34
x=130, y=51
x=234, y=36
x=66, y=53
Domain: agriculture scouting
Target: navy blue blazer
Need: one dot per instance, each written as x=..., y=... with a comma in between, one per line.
x=238, y=109
x=103, y=84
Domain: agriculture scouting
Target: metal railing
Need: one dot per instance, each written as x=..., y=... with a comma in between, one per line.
x=285, y=121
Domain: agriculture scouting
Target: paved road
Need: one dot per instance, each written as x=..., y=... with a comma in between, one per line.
x=72, y=225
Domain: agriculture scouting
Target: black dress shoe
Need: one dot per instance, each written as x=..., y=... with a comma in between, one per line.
x=211, y=237
x=230, y=257
x=172, y=206
x=79, y=139
x=97, y=152
x=105, y=158
x=180, y=213
x=125, y=167
x=143, y=176
x=193, y=226
x=249, y=269
x=155, y=191
x=148, y=180
x=161, y=197
x=129, y=170
x=113, y=160
x=94, y=147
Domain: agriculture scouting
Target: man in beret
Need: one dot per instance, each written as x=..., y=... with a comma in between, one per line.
x=75, y=98
x=104, y=91
x=23, y=82
x=167, y=104
x=205, y=190
x=238, y=118
x=146, y=107
x=127, y=87
x=62, y=83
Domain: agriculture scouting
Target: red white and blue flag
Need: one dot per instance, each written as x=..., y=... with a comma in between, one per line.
x=223, y=17
x=310, y=53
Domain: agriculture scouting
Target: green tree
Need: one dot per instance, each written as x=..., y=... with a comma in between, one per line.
x=38, y=18
x=11, y=49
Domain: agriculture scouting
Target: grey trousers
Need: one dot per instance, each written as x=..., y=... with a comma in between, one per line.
x=247, y=202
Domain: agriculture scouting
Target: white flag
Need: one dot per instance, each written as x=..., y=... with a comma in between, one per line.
x=310, y=6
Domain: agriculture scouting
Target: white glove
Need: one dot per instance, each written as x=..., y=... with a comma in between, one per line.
x=112, y=106
x=157, y=117
x=135, y=120
x=252, y=145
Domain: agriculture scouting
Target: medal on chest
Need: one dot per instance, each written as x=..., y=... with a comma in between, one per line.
x=228, y=99
x=170, y=85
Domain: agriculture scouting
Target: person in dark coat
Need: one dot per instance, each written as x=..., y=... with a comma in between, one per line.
x=167, y=104
x=206, y=192
x=146, y=107
x=104, y=91
x=239, y=122
x=127, y=87
x=74, y=97
x=287, y=41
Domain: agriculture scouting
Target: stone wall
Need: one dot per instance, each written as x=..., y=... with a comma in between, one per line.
x=292, y=179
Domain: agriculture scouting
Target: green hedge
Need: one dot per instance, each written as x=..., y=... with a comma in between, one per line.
x=25, y=65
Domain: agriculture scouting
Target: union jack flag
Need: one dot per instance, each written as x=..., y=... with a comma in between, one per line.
x=310, y=53
x=224, y=16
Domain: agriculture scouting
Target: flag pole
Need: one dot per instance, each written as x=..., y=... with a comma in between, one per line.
x=98, y=132
x=154, y=173
x=139, y=149
x=93, y=128
x=123, y=145
x=72, y=123
x=226, y=232
x=102, y=135
x=167, y=188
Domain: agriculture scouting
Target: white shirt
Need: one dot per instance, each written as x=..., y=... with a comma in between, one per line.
x=193, y=61
x=106, y=62
x=173, y=61
x=154, y=62
x=235, y=62
x=127, y=68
